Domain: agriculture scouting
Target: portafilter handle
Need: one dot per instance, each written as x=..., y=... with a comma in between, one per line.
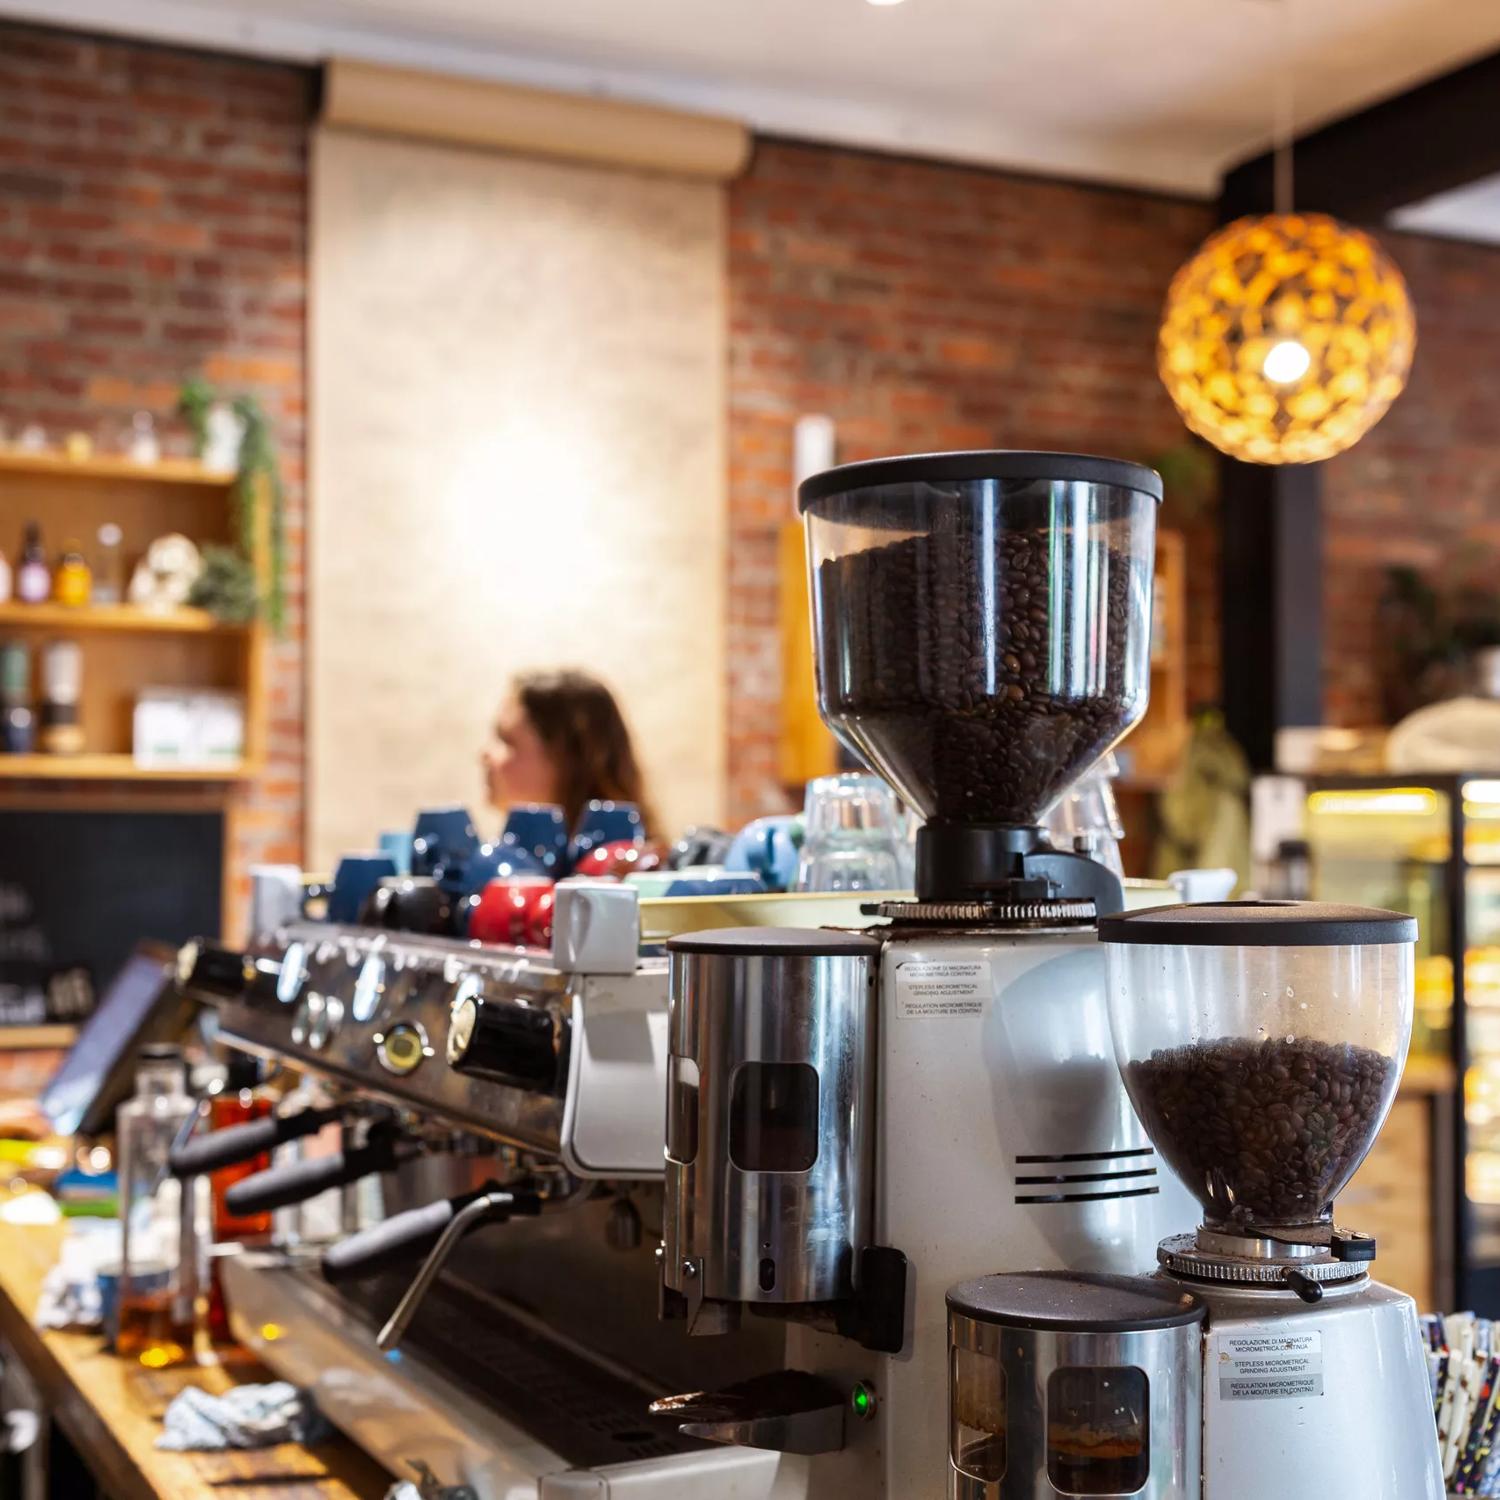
x=240, y=1143
x=296, y=1182
x=492, y=1206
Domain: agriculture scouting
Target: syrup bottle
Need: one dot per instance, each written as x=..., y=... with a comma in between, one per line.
x=33, y=576
x=161, y=1219
x=240, y=1100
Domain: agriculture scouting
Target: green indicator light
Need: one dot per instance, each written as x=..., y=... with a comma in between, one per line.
x=862, y=1401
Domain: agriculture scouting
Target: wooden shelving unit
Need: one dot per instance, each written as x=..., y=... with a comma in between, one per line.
x=126, y=649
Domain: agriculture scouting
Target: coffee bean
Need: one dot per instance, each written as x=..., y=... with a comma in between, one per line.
x=1265, y=1133
x=964, y=666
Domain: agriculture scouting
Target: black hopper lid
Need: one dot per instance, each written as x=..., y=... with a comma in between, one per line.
x=1014, y=465
x=1075, y=1302
x=1260, y=924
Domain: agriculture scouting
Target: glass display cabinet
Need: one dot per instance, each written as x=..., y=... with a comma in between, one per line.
x=1431, y=846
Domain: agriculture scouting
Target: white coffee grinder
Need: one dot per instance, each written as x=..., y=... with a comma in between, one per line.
x=857, y=1121
x=1262, y=1044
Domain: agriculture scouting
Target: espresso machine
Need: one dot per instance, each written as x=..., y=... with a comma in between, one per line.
x=1262, y=1043
x=856, y=1121
x=485, y=1314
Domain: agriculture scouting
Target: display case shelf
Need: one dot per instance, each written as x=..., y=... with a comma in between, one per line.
x=1428, y=845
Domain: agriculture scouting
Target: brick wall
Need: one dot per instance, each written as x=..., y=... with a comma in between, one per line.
x=152, y=227
x=926, y=306
x=1423, y=488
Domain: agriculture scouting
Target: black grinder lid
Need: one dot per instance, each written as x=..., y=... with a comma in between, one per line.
x=1075, y=1302
x=1013, y=464
x=1260, y=924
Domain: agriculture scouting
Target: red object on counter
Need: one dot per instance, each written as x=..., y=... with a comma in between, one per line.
x=237, y=1103
x=508, y=912
x=539, y=919
x=237, y=1107
x=615, y=860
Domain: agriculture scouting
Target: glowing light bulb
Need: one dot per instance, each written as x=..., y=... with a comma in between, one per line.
x=1286, y=338
x=883, y=2
x=1286, y=362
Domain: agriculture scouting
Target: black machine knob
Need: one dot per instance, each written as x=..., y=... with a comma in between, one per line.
x=207, y=969
x=506, y=1040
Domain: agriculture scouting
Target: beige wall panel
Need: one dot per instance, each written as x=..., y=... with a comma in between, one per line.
x=517, y=460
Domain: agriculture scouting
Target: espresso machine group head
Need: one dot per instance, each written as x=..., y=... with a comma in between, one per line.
x=855, y=1123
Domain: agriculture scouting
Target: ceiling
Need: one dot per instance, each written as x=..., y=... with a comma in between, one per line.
x=1157, y=93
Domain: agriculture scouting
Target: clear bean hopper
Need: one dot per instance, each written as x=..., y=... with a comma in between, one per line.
x=1261, y=1043
x=982, y=636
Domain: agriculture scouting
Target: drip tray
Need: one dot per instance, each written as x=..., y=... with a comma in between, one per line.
x=588, y=1414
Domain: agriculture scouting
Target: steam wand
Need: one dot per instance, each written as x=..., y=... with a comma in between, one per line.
x=491, y=1207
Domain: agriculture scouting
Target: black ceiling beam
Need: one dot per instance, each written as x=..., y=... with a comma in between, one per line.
x=1433, y=138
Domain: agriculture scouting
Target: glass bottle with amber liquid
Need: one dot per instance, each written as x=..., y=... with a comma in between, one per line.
x=239, y=1099
x=163, y=1221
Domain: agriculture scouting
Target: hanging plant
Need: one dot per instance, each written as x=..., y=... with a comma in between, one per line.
x=257, y=484
x=225, y=586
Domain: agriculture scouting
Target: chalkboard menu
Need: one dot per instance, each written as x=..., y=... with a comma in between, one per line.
x=78, y=891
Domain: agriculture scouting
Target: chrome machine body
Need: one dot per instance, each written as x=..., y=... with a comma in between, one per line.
x=482, y=1073
x=1070, y=1384
x=770, y=1119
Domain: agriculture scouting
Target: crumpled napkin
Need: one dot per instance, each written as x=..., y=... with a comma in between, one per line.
x=70, y=1295
x=248, y=1416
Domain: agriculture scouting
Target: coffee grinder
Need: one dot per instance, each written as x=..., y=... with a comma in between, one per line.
x=855, y=1123
x=1261, y=1043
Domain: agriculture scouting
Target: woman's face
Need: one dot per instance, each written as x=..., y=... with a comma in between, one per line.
x=516, y=765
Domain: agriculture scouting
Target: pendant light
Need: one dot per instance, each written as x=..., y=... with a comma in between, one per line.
x=1288, y=335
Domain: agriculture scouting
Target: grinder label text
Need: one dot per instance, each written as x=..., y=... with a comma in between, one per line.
x=1269, y=1367
x=935, y=988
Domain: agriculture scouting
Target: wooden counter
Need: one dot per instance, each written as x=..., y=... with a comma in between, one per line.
x=111, y=1411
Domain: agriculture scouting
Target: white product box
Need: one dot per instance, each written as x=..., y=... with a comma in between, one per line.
x=176, y=728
